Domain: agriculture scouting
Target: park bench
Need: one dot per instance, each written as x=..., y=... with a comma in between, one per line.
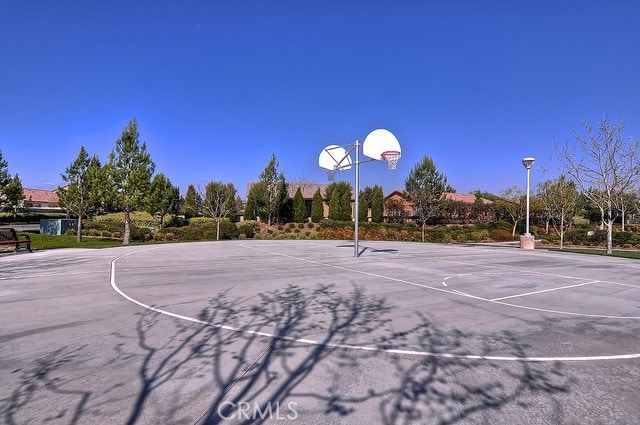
x=8, y=236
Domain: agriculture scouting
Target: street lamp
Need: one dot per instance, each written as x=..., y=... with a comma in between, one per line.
x=526, y=242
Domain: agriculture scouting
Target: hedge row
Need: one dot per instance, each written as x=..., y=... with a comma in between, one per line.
x=599, y=238
x=7, y=218
x=412, y=232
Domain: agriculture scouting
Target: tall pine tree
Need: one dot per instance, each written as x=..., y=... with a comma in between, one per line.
x=317, y=207
x=79, y=196
x=299, y=209
x=130, y=170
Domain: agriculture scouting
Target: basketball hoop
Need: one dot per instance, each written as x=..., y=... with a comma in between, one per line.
x=392, y=158
x=331, y=174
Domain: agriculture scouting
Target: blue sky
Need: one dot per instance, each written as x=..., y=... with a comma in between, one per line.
x=217, y=86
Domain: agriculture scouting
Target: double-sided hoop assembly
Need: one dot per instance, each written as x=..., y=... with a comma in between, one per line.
x=379, y=145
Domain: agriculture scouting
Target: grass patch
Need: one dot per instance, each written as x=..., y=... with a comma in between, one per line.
x=591, y=251
x=39, y=241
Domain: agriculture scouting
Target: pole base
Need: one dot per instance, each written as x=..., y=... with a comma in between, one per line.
x=527, y=242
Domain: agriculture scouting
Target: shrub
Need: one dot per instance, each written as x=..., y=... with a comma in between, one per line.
x=479, y=235
x=228, y=230
x=621, y=238
x=189, y=233
x=201, y=221
x=599, y=236
x=248, y=228
x=500, y=235
x=576, y=237
x=176, y=221
x=141, y=233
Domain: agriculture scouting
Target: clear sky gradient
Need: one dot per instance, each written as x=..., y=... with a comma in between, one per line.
x=217, y=86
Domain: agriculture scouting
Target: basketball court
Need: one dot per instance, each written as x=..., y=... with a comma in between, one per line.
x=225, y=331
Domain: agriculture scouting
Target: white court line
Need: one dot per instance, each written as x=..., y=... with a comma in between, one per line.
x=360, y=347
x=544, y=290
x=455, y=291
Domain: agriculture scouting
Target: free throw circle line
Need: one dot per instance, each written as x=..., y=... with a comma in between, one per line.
x=356, y=347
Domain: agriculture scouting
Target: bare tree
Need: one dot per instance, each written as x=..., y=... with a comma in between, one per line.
x=604, y=165
x=625, y=203
x=560, y=199
x=512, y=203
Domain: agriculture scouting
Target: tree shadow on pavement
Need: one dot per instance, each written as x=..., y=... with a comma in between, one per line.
x=292, y=345
x=38, y=382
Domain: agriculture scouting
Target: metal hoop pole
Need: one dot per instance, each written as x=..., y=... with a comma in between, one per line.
x=355, y=236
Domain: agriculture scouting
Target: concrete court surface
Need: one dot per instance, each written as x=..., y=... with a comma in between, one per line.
x=303, y=332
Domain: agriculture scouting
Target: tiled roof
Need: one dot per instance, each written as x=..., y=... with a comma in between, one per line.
x=40, y=195
x=308, y=189
x=467, y=198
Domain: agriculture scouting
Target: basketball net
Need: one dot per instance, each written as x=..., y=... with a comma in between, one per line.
x=331, y=174
x=392, y=158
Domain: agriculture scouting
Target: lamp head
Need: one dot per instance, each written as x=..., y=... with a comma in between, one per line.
x=528, y=162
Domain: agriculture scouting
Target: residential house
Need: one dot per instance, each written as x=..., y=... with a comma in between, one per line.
x=308, y=190
x=461, y=208
x=40, y=200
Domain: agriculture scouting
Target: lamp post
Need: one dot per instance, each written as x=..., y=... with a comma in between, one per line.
x=527, y=241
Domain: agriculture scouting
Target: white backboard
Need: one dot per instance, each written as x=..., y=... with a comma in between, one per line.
x=379, y=141
x=334, y=157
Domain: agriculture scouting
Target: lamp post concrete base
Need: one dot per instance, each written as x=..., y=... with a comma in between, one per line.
x=527, y=242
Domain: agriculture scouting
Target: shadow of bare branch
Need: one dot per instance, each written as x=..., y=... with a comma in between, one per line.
x=285, y=354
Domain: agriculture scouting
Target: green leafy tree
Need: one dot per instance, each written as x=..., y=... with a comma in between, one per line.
x=334, y=206
x=284, y=205
x=4, y=174
x=345, y=205
x=163, y=198
x=395, y=210
x=364, y=203
x=219, y=203
x=103, y=193
x=299, y=208
x=192, y=202
x=269, y=203
x=14, y=195
x=130, y=170
x=339, y=196
x=256, y=202
x=377, y=204
x=424, y=188
x=5, y=179
x=317, y=207
x=79, y=196
x=250, y=209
